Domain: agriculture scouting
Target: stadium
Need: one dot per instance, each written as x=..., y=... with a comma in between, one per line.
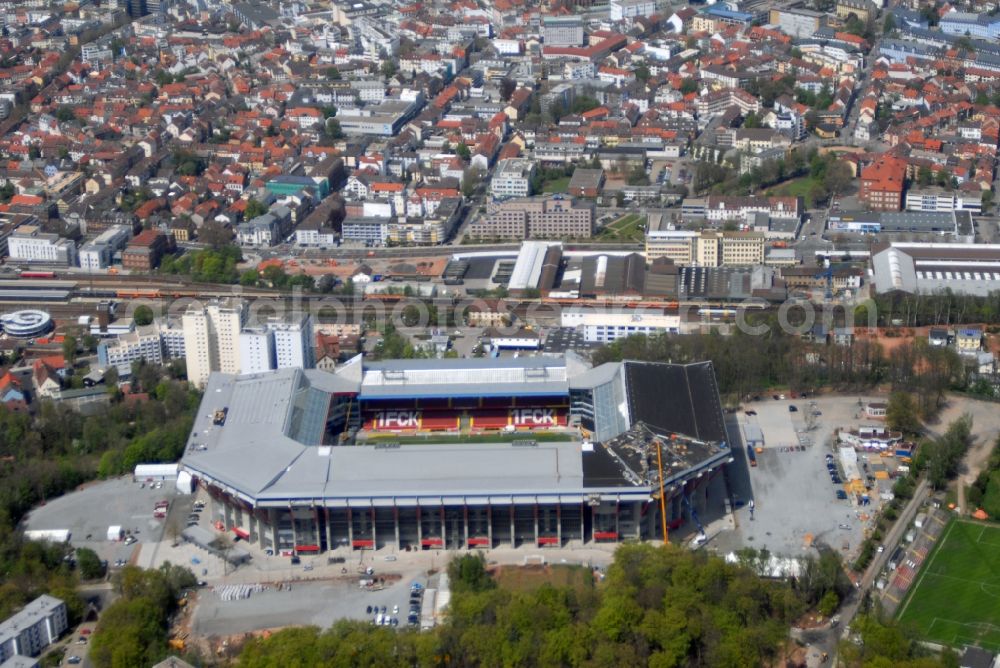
x=456, y=453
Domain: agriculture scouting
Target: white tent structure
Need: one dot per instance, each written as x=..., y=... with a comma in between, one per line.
x=147, y=472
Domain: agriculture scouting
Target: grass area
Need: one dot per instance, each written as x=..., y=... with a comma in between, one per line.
x=559, y=185
x=631, y=227
x=956, y=597
x=529, y=578
x=794, y=188
x=540, y=436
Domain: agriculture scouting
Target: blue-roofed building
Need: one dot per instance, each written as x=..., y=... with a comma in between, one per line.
x=287, y=184
x=982, y=26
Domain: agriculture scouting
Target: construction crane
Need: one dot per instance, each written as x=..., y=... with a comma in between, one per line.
x=663, y=500
x=827, y=274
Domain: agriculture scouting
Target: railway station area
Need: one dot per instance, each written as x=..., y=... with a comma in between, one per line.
x=456, y=453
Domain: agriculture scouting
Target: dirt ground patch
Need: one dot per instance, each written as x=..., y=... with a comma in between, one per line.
x=529, y=578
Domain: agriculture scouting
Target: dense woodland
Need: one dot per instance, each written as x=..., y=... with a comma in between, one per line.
x=656, y=607
x=747, y=365
x=50, y=452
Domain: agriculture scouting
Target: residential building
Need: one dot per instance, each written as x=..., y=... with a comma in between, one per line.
x=256, y=350
x=29, y=244
x=145, y=251
x=293, y=342
x=212, y=338
x=562, y=31
x=145, y=343
x=797, y=21
x=600, y=325
x=35, y=627
x=547, y=217
x=630, y=9
x=861, y=9
x=969, y=340
x=939, y=199
x=100, y=252
x=706, y=249
x=882, y=184
x=512, y=178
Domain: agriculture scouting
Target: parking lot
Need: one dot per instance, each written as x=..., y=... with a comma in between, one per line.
x=795, y=501
x=88, y=512
x=302, y=603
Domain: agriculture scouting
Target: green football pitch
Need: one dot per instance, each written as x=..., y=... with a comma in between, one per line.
x=956, y=597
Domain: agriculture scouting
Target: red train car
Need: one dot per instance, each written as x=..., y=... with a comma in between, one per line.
x=38, y=274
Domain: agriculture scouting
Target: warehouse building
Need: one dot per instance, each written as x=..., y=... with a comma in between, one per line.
x=919, y=268
x=284, y=456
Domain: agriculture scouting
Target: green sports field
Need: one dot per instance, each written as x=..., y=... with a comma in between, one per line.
x=956, y=597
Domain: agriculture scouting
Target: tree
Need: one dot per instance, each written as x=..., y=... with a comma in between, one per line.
x=463, y=152
x=254, y=208
x=215, y=234
x=637, y=176
x=69, y=346
x=388, y=69
x=64, y=114
x=332, y=129
x=889, y=25
x=143, y=315
x=925, y=175
x=507, y=88
x=838, y=177
x=901, y=413
x=332, y=73
x=89, y=564
x=688, y=86
x=641, y=72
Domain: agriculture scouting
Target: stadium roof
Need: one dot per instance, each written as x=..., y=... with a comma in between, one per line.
x=525, y=376
x=263, y=437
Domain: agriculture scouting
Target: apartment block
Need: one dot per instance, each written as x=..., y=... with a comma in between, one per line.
x=99, y=253
x=706, y=249
x=882, y=184
x=512, y=178
x=212, y=339
x=552, y=217
x=37, y=626
x=29, y=244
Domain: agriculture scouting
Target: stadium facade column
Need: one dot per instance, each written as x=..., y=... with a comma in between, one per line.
x=465, y=515
x=371, y=510
x=637, y=514
x=295, y=529
x=272, y=520
x=420, y=529
x=618, y=512
x=536, y=521
x=559, y=523
x=228, y=515
x=513, y=535
x=326, y=523
x=395, y=521
x=489, y=524
x=350, y=524
x=583, y=523
x=444, y=528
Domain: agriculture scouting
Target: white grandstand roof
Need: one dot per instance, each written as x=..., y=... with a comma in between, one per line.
x=471, y=377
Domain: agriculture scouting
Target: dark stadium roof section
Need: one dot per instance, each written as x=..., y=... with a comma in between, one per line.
x=520, y=376
x=630, y=460
x=678, y=398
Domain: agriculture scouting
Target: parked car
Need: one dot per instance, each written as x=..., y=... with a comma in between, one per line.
x=842, y=495
x=793, y=409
